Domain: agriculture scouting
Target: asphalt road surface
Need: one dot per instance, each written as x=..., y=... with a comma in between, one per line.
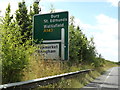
x=110, y=80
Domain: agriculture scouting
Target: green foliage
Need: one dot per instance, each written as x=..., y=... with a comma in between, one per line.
x=7, y=19
x=15, y=56
x=16, y=41
x=16, y=38
x=72, y=20
x=23, y=21
x=36, y=8
x=82, y=50
x=118, y=62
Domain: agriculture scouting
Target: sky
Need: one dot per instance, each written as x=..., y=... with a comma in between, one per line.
x=96, y=18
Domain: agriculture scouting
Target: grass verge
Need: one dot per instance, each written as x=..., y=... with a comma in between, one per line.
x=39, y=68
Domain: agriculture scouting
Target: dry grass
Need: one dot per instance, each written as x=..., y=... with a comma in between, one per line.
x=41, y=68
x=80, y=80
x=38, y=67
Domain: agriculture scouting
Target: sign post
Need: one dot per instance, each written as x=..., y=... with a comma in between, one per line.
x=52, y=29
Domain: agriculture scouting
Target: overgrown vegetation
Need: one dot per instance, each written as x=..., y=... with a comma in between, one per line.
x=16, y=43
x=19, y=58
x=79, y=81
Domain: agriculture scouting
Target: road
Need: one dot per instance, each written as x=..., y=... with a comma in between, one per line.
x=110, y=80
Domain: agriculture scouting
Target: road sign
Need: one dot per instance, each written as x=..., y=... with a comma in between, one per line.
x=49, y=51
x=51, y=29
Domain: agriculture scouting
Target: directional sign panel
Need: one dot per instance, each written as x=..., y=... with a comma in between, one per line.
x=50, y=51
x=52, y=28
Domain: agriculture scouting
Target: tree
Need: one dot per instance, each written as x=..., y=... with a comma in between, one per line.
x=11, y=63
x=72, y=20
x=15, y=56
x=34, y=9
x=23, y=21
x=7, y=20
x=81, y=49
x=78, y=44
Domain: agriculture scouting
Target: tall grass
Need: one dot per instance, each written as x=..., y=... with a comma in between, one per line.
x=38, y=67
x=78, y=81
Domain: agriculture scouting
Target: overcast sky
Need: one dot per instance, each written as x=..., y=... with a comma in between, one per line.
x=96, y=18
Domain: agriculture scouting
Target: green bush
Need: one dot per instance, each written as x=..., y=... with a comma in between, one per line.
x=16, y=47
x=15, y=55
x=81, y=49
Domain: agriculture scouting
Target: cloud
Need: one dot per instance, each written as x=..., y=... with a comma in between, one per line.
x=107, y=37
x=113, y=2
x=105, y=34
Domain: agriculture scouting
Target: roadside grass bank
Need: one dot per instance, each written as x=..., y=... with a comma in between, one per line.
x=77, y=81
x=38, y=68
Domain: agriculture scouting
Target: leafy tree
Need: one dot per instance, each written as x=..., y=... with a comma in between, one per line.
x=15, y=56
x=23, y=21
x=72, y=20
x=73, y=48
x=8, y=19
x=82, y=49
x=15, y=41
x=78, y=44
x=34, y=9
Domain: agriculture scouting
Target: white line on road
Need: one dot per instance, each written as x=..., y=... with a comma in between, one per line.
x=105, y=79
